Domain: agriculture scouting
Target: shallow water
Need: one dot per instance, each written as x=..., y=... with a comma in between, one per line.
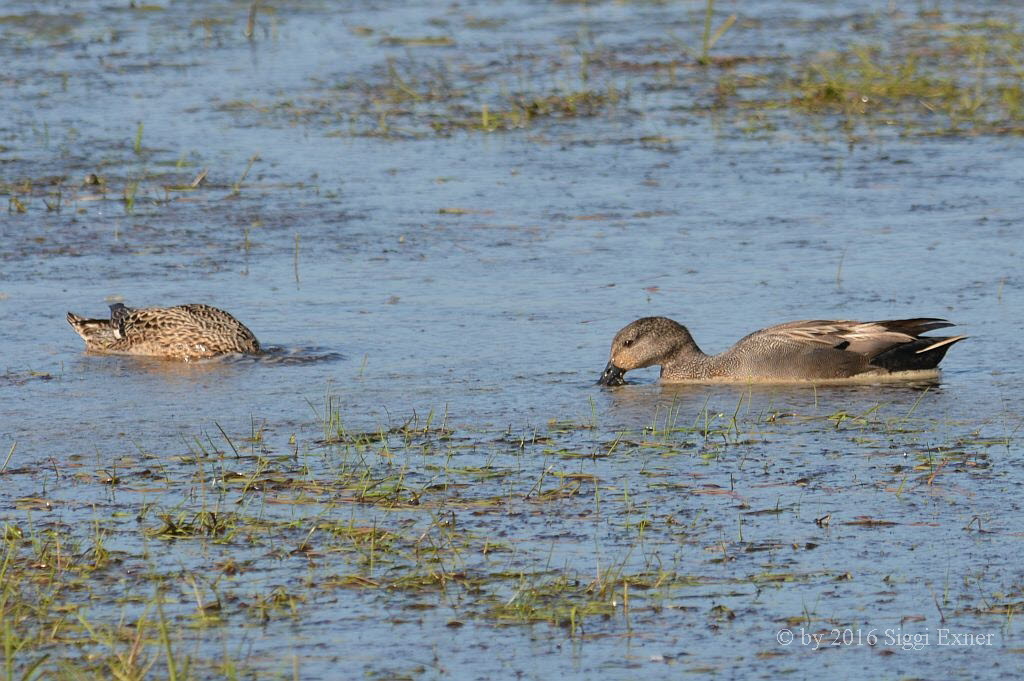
x=478, y=278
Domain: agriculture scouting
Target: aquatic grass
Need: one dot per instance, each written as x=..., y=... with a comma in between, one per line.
x=16, y=205
x=973, y=84
x=132, y=664
x=130, y=190
x=927, y=79
x=708, y=39
x=568, y=601
x=563, y=602
x=425, y=515
x=970, y=84
x=427, y=41
x=10, y=453
x=13, y=645
x=524, y=110
x=856, y=83
x=58, y=201
x=205, y=524
x=414, y=430
x=412, y=99
x=250, y=23
x=137, y=144
x=236, y=187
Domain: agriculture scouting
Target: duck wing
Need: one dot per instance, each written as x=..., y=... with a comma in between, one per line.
x=863, y=338
x=120, y=316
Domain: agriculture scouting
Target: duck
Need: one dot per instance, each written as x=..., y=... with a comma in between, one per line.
x=183, y=332
x=800, y=351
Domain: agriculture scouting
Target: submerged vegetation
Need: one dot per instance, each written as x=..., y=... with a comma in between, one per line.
x=926, y=76
x=237, y=533
x=970, y=81
x=909, y=73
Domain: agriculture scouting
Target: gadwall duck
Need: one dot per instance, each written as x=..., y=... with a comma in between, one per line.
x=184, y=332
x=810, y=350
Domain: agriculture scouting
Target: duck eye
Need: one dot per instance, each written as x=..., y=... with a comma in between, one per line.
x=627, y=342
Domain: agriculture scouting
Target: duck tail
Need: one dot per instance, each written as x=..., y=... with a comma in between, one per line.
x=95, y=332
x=80, y=324
x=917, y=355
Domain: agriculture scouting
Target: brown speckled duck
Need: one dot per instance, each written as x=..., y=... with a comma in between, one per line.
x=184, y=332
x=810, y=350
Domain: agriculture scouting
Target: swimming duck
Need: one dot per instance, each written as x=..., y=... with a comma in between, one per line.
x=809, y=350
x=184, y=332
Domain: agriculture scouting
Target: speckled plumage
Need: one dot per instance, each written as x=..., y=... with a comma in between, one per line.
x=806, y=350
x=184, y=332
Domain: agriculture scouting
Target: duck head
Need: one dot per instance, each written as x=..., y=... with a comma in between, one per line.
x=648, y=341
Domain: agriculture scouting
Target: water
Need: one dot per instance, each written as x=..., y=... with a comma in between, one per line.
x=480, y=277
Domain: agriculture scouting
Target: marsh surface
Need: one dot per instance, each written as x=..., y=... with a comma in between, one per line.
x=439, y=215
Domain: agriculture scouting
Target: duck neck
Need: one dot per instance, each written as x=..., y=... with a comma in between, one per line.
x=687, y=361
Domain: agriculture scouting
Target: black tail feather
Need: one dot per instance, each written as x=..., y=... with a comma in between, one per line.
x=917, y=355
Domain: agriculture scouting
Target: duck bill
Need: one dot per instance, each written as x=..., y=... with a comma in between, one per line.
x=612, y=376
